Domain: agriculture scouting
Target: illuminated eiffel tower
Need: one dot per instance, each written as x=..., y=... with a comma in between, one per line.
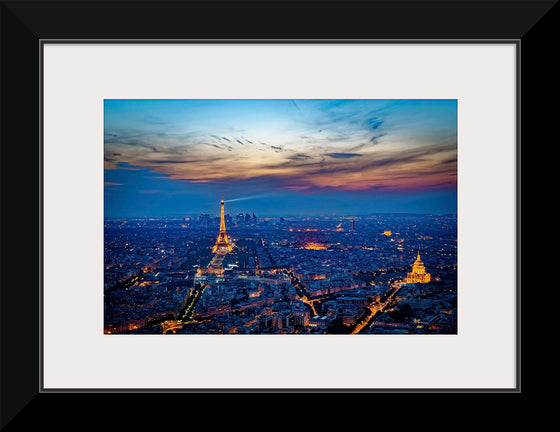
x=223, y=244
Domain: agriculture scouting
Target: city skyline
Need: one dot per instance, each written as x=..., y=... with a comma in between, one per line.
x=281, y=276
x=290, y=157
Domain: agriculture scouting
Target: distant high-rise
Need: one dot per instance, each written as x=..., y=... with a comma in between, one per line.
x=352, y=224
x=418, y=274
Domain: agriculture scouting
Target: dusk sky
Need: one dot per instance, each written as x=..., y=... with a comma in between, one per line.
x=280, y=157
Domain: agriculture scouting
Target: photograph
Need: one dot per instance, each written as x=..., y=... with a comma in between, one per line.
x=280, y=216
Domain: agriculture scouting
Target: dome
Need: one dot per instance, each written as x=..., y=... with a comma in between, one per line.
x=418, y=266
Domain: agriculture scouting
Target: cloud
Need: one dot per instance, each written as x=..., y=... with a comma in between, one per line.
x=299, y=156
x=374, y=123
x=295, y=105
x=331, y=146
x=343, y=155
x=375, y=139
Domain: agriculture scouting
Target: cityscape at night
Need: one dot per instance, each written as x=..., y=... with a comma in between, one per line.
x=279, y=217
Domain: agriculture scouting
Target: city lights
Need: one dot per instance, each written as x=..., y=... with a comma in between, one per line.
x=194, y=279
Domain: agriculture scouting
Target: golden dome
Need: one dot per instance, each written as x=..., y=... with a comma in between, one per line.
x=418, y=266
x=418, y=274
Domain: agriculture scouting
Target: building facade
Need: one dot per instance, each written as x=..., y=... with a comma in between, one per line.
x=418, y=273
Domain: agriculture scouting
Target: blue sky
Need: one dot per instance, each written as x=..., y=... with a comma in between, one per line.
x=294, y=157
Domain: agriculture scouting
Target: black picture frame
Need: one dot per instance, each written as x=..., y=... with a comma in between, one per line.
x=26, y=25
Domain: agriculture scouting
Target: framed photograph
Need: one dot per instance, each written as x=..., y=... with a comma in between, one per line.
x=248, y=209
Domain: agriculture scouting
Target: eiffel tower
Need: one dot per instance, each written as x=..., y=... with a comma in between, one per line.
x=223, y=244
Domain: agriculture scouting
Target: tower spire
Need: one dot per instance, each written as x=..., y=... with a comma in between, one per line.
x=223, y=244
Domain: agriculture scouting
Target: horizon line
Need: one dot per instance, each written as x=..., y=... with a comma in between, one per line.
x=180, y=215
